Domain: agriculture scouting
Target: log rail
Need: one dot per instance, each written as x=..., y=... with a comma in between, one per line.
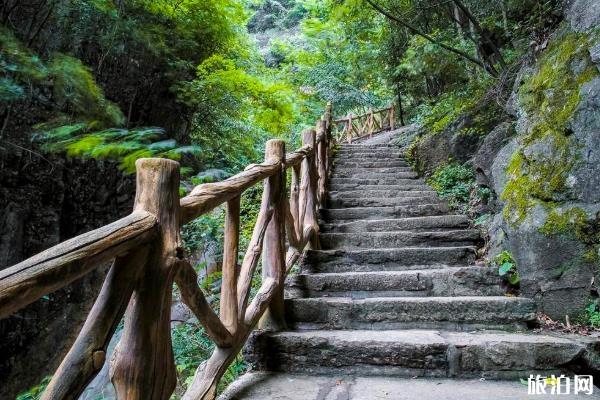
x=148, y=260
x=352, y=128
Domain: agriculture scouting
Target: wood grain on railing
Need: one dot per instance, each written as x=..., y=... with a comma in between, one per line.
x=149, y=260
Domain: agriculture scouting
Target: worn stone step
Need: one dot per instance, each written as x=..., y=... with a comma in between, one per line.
x=393, y=193
x=432, y=223
x=338, y=384
x=377, y=313
x=419, y=210
x=360, y=146
x=369, y=154
x=369, y=163
x=412, y=353
x=364, y=260
x=341, y=201
x=337, y=170
x=465, y=281
x=374, y=175
x=376, y=181
x=379, y=240
x=353, y=187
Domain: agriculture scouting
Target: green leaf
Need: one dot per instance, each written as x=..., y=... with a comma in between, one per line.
x=505, y=268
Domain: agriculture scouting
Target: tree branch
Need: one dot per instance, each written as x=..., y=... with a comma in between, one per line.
x=417, y=31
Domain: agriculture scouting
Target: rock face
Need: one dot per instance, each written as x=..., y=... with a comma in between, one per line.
x=45, y=201
x=544, y=166
x=555, y=241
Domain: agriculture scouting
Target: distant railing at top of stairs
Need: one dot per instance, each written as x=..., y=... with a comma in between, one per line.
x=352, y=128
x=148, y=259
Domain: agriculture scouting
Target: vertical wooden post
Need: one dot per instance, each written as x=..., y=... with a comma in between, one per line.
x=321, y=158
x=229, y=312
x=371, y=123
x=392, y=116
x=349, y=129
x=274, y=243
x=294, y=195
x=329, y=120
x=143, y=366
x=308, y=189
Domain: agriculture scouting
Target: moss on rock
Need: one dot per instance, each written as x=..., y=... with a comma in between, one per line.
x=538, y=171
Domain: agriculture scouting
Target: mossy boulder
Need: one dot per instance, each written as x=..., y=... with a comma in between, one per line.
x=548, y=176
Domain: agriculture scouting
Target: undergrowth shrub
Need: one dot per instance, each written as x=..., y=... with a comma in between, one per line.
x=456, y=183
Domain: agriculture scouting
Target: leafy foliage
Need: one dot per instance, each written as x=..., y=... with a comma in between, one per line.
x=507, y=267
x=35, y=393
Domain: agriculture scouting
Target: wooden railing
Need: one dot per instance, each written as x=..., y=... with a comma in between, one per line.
x=149, y=259
x=352, y=128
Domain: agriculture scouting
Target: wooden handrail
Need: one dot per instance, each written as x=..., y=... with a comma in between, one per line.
x=148, y=260
x=357, y=127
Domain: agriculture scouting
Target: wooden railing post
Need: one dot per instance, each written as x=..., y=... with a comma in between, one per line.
x=229, y=301
x=370, y=123
x=321, y=158
x=273, y=266
x=392, y=116
x=349, y=129
x=144, y=367
x=308, y=190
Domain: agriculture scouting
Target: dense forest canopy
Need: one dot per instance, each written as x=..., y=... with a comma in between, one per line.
x=126, y=79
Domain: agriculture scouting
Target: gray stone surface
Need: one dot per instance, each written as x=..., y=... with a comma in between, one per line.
x=395, y=239
x=483, y=159
x=459, y=281
x=407, y=258
x=460, y=313
x=261, y=386
x=432, y=223
x=384, y=212
x=585, y=177
x=485, y=354
x=583, y=15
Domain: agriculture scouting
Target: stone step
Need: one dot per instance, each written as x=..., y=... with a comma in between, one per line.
x=342, y=201
x=367, y=146
x=375, y=181
x=340, y=385
x=393, y=193
x=369, y=163
x=353, y=187
x=465, y=281
x=369, y=154
x=377, y=313
x=420, y=210
x=400, y=224
x=361, y=260
x=380, y=240
x=381, y=170
x=415, y=353
x=374, y=175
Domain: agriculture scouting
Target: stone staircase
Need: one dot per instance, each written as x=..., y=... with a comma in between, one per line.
x=395, y=292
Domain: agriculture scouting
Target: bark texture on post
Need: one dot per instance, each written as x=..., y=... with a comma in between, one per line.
x=321, y=157
x=308, y=190
x=274, y=244
x=87, y=355
x=143, y=367
x=229, y=303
